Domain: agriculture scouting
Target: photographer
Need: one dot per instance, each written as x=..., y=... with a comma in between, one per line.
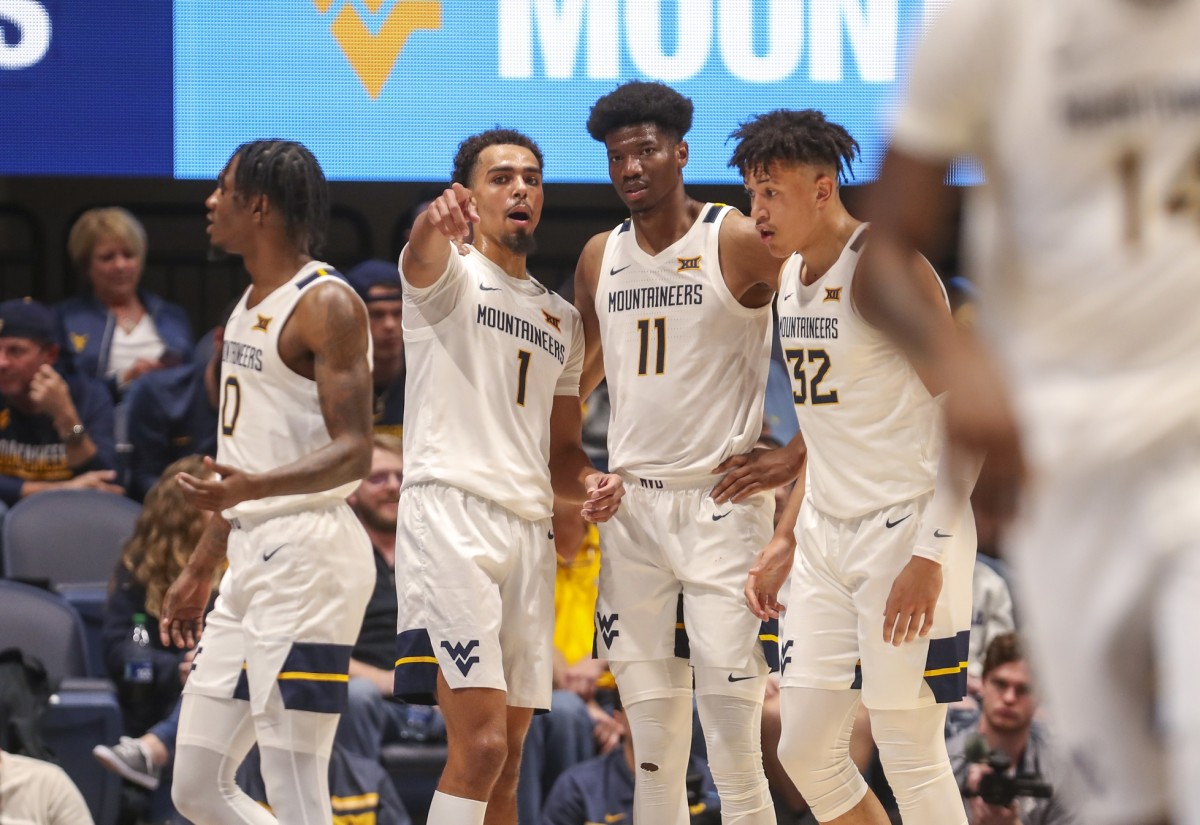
x=1005, y=768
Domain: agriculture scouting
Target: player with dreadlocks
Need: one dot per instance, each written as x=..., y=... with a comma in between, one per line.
x=880, y=595
x=295, y=439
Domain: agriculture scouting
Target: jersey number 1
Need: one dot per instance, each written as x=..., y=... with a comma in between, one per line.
x=523, y=358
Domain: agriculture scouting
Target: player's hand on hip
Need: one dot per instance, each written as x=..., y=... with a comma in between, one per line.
x=183, y=607
x=452, y=214
x=752, y=472
x=766, y=578
x=605, y=491
x=225, y=487
x=911, y=602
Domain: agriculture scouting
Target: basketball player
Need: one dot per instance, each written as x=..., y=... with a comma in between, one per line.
x=295, y=437
x=880, y=601
x=676, y=308
x=1086, y=249
x=494, y=359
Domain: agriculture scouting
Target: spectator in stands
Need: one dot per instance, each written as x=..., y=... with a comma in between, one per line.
x=33, y=792
x=1007, y=726
x=378, y=284
x=173, y=413
x=601, y=789
x=117, y=331
x=577, y=727
x=166, y=533
x=372, y=716
x=54, y=432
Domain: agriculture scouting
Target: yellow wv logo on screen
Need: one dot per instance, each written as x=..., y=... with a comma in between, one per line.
x=373, y=56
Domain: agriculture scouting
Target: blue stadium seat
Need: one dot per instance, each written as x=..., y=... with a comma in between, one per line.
x=70, y=541
x=83, y=711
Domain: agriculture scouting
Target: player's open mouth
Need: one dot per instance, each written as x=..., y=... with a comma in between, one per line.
x=520, y=216
x=766, y=235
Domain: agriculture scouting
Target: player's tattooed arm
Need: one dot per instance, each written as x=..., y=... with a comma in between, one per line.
x=327, y=337
x=183, y=606
x=587, y=275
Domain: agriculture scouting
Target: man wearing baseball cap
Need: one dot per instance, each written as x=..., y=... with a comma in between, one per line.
x=54, y=432
x=377, y=282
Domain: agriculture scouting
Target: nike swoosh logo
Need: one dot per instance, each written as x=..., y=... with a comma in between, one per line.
x=267, y=556
x=892, y=524
x=789, y=295
x=733, y=678
x=615, y=270
x=489, y=288
x=719, y=516
x=550, y=535
x=938, y=534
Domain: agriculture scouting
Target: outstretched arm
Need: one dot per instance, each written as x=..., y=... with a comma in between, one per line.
x=449, y=217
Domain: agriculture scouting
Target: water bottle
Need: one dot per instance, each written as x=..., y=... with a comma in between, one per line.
x=138, y=677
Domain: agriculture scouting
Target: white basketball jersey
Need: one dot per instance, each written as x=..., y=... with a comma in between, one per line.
x=270, y=416
x=686, y=363
x=481, y=380
x=1086, y=239
x=870, y=425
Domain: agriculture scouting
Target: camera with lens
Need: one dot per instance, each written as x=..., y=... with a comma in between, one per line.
x=1000, y=787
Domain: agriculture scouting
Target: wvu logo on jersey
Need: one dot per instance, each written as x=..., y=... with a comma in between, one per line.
x=461, y=654
x=552, y=321
x=78, y=341
x=832, y=293
x=785, y=657
x=606, y=627
x=262, y=323
x=689, y=264
x=374, y=55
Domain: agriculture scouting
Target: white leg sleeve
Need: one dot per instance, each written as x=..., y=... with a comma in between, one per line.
x=912, y=748
x=657, y=696
x=814, y=748
x=214, y=737
x=733, y=731
x=295, y=746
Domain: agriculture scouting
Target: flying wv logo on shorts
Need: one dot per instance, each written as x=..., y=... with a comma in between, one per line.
x=461, y=654
x=373, y=56
x=785, y=657
x=606, y=627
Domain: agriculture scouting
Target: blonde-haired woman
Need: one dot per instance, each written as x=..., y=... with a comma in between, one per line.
x=166, y=533
x=118, y=331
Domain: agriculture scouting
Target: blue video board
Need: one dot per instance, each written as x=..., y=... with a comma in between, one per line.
x=385, y=89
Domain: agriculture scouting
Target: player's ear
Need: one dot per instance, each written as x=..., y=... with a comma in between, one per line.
x=681, y=153
x=825, y=187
